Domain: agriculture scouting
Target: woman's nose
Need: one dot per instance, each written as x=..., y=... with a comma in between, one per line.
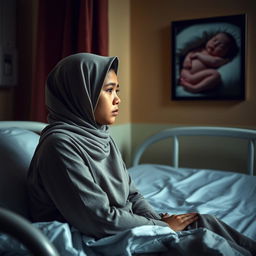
x=117, y=100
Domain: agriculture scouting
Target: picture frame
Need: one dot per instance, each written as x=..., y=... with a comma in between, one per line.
x=200, y=69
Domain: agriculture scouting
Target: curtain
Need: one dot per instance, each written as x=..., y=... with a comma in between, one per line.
x=65, y=27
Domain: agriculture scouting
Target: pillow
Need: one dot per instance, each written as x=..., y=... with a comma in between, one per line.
x=17, y=147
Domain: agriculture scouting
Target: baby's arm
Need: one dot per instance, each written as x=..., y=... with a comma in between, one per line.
x=187, y=63
x=209, y=60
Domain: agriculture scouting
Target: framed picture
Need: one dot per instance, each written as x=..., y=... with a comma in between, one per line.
x=208, y=58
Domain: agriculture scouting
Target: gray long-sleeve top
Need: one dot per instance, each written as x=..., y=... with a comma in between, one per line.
x=64, y=186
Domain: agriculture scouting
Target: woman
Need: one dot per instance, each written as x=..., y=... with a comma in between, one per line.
x=77, y=174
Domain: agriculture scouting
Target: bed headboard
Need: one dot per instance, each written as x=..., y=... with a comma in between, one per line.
x=175, y=133
x=27, y=125
x=18, y=141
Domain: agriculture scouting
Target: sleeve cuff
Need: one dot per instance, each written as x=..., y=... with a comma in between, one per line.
x=160, y=223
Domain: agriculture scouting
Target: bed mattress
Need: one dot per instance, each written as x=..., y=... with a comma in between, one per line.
x=227, y=195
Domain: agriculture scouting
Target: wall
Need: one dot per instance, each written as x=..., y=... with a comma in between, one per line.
x=140, y=37
x=6, y=103
x=119, y=45
x=26, y=25
x=7, y=43
x=151, y=107
x=151, y=64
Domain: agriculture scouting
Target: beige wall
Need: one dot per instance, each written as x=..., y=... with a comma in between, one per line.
x=151, y=65
x=149, y=68
x=119, y=45
x=140, y=36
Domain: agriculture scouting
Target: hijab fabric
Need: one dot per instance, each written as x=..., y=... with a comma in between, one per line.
x=72, y=92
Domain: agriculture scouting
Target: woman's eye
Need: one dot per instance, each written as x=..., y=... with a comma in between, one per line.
x=109, y=90
x=112, y=90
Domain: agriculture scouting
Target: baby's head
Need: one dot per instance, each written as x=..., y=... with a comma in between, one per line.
x=222, y=45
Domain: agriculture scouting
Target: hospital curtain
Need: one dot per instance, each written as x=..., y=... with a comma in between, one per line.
x=65, y=27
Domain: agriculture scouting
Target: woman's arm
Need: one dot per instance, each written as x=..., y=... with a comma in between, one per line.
x=140, y=205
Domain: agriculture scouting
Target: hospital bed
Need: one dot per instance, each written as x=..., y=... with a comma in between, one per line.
x=229, y=195
x=170, y=188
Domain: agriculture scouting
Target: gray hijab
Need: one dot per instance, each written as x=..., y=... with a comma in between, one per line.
x=77, y=174
x=72, y=92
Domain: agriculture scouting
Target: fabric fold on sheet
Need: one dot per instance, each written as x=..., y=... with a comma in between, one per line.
x=227, y=195
x=136, y=241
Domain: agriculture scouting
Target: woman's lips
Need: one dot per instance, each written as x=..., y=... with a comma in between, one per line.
x=115, y=112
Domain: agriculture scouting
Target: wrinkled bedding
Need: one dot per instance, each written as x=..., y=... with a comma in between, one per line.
x=137, y=241
x=229, y=196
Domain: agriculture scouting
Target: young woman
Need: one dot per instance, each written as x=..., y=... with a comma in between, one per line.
x=77, y=174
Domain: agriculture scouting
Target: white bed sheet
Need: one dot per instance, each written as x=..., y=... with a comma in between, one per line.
x=139, y=241
x=227, y=195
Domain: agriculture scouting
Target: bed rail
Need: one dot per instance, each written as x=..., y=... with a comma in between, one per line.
x=21, y=229
x=175, y=133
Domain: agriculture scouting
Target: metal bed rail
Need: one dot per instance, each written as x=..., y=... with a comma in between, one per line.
x=175, y=133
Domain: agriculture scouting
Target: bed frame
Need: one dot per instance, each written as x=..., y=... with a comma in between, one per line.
x=175, y=133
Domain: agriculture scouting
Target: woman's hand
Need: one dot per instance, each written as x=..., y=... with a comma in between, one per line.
x=179, y=222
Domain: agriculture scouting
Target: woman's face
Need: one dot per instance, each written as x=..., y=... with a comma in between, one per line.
x=106, y=110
